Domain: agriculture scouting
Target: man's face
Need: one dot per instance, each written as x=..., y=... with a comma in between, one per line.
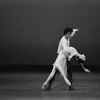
x=68, y=35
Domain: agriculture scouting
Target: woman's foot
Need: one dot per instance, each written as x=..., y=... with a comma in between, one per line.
x=45, y=87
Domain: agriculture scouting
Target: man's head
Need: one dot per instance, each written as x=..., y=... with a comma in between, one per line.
x=69, y=32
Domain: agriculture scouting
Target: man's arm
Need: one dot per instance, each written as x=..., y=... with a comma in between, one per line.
x=65, y=45
x=74, y=30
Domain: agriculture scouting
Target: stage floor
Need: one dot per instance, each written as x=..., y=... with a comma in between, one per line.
x=27, y=86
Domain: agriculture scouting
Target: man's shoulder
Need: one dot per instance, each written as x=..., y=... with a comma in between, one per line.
x=63, y=38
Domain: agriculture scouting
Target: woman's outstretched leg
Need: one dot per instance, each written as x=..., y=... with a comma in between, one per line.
x=45, y=85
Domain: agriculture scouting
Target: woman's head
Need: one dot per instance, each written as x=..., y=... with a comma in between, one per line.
x=81, y=58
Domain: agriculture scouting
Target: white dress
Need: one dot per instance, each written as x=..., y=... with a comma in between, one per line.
x=61, y=61
x=62, y=54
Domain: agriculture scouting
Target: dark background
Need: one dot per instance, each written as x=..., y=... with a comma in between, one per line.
x=30, y=30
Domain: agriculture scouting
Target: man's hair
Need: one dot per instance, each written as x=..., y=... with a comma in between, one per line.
x=67, y=30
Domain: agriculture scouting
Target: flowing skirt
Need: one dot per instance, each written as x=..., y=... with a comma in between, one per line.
x=61, y=62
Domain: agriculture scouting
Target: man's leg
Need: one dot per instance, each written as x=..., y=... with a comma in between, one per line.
x=69, y=75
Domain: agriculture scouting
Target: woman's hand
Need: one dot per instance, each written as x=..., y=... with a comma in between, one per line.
x=86, y=70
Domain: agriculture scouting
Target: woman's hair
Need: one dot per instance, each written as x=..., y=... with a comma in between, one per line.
x=68, y=29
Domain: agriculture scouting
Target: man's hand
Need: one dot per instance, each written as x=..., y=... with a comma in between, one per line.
x=75, y=30
x=69, y=58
